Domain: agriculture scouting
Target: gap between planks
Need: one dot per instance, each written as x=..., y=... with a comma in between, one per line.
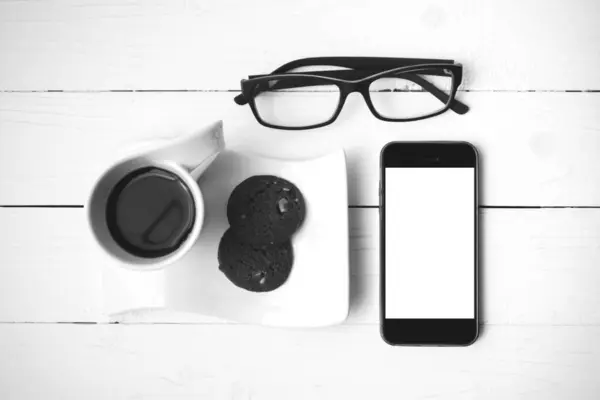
x=308, y=91
x=350, y=206
x=234, y=323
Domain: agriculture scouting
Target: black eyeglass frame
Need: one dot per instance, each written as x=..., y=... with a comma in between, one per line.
x=364, y=71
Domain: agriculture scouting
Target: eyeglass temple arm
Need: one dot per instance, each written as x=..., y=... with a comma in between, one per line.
x=359, y=63
x=300, y=81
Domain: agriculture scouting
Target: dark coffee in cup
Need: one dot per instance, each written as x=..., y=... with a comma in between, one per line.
x=150, y=212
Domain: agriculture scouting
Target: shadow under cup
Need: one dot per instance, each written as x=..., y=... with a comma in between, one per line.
x=146, y=213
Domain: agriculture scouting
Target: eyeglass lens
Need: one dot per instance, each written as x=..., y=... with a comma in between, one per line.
x=292, y=102
x=402, y=96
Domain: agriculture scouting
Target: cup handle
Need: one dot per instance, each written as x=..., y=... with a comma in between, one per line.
x=195, y=152
x=199, y=169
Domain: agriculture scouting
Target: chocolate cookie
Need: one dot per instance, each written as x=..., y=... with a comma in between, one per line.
x=265, y=209
x=257, y=268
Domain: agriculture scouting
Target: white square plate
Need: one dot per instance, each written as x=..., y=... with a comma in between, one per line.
x=315, y=294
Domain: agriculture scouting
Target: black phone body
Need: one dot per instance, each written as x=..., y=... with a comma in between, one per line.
x=429, y=243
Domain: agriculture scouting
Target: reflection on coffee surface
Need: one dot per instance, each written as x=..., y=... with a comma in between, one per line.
x=150, y=212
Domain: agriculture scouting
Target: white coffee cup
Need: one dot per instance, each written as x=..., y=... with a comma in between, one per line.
x=187, y=158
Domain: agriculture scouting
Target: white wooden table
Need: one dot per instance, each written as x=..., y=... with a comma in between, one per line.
x=81, y=82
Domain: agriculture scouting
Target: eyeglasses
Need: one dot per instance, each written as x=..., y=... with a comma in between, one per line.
x=395, y=89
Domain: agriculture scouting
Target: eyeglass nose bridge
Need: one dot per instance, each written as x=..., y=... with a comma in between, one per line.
x=358, y=87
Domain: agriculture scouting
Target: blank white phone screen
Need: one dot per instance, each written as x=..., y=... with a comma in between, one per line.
x=430, y=243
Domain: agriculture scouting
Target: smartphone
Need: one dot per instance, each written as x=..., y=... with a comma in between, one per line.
x=429, y=243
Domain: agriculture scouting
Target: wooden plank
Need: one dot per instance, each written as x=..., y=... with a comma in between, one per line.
x=538, y=267
x=243, y=362
x=169, y=44
x=536, y=148
x=49, y=267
